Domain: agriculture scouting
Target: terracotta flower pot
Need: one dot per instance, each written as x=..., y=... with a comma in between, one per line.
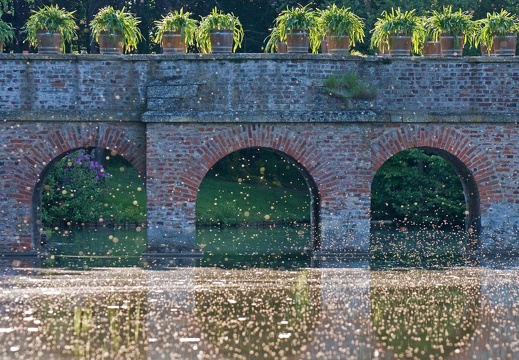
x=298, y=42
x=221, y=41
x=172, y=43
x=339, y=45
x=110, y=43
x=324, y=45
x=451, y=45
x=48, y=43
x=432, y=48
x=281, y=47
x=504, y=45
x=399, y=45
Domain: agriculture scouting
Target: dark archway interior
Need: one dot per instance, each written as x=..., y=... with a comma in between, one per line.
x=268, y=170
x=470, y=190
x=432, y=208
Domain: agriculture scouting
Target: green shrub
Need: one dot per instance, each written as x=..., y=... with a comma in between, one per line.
x=74, y=190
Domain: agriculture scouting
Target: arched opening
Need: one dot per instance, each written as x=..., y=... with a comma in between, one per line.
x=89, y=208
x=424, y=210
x=257, y=207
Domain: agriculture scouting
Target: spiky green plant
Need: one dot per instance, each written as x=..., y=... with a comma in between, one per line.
x=217, y=20
x=6, y=31
x=52, y=19
x=397, y=22
x=112, y=21
x=339, y=21
x=495, y=24
x=273, y=39
x=177, y=21
x=429, y=33
x=299, y=18
x=455, y=23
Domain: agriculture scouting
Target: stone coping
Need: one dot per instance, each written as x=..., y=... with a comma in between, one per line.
x=256, y=57
x=344, y=116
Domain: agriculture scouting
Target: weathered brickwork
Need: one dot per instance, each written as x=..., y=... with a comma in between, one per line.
x=179, y=157
x=27, y=150
x=173, y=117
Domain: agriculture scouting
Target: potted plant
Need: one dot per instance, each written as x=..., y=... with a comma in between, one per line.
x=299, y=27
x=341, y=27
x=397, y=31
x=116, y=31
x=176, y=30
x=430, y=44
x=455, y=28
x=49, y=28
x=274, y=42
x=497, y=33
x=217, y=32
x=6, y=34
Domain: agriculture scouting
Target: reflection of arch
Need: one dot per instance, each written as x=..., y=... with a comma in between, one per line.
x=471, y=164
x=306, y=156
x=424, y=314
x=239, y=319
x=126, y=141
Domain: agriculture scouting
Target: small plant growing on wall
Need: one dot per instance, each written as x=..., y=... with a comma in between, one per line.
x=349, y=87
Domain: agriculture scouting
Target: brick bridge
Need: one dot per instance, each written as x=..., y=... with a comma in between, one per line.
x=172, y=118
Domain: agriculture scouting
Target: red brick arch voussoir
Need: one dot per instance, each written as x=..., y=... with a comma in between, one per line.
x=278, y=138
x=449, y=139
x=50, y=145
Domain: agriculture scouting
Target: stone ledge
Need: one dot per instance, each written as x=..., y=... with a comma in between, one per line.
x=66, y=115
x=341, y=254
x=286, y=116
x=261, y=117
x=347, y=116
x=255, y=57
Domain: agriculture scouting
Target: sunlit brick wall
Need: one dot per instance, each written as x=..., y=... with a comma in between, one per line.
x=178, y=115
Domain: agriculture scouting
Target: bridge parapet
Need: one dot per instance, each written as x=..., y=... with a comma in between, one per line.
x=252, y=87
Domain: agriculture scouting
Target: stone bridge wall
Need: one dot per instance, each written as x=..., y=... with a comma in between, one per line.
x=173, y=117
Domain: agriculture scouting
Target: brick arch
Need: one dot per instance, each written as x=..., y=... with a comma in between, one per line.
x=39, y=157
x=470, y=162
x=299, y=147
x=63, y=140
x=451, y=140
x=309, y=159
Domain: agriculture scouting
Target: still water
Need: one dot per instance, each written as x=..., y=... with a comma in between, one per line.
x=211, y=313
x=267, y=310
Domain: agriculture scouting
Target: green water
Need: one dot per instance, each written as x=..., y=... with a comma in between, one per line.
x=272, y=246
x=288, y=247
x=211, y=313
x=419, y=248
x=96, y=248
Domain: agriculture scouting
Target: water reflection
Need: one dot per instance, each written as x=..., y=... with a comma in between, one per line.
x=278, y=247
x=208, y=313
x=84, y=248
x=424, y=314
x=423, y=248
x=258, y=316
